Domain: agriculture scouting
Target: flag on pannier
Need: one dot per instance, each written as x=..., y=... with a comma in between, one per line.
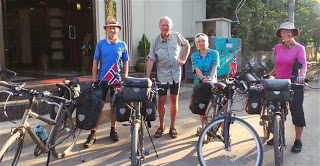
x=112, y=77
x=234, y=65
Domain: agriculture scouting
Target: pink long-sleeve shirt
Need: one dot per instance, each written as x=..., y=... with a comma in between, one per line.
x=285, y=59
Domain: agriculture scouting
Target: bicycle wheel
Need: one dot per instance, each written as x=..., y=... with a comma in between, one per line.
x=245, y=145
x=135, y=150
x=266, y=121
x=277, y=140
x=11, y=150
x=64, y=136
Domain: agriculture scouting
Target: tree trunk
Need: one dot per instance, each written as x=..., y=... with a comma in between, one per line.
x=291, y=4
x=316, y=44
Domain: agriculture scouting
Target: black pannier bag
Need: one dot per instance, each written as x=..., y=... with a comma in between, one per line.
x=254, y=100
x=148, y=109
x=88, y=108
x=277, y=89
x=137, y=89
x=121, y=108
x=200, y=98
x=73, y=84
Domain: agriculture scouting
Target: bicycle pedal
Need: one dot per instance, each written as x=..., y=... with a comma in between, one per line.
x=125, y=124
x=261, y=123
x=37, y=151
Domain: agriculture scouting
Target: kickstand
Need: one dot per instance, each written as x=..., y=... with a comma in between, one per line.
x=147, y=127
x=48, y=159
x=75, y=141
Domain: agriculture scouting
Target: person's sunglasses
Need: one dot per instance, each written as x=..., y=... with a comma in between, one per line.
x=201, y=34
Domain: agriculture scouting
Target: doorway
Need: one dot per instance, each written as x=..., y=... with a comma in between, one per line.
x=48, y=38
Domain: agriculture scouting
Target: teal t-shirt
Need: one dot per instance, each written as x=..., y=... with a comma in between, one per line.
x=204, y=64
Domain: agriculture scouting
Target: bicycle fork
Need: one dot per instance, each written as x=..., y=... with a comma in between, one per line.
x=227, y=121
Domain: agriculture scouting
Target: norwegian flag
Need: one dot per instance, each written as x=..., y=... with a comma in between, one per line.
x=112, y=77
x=234, y=65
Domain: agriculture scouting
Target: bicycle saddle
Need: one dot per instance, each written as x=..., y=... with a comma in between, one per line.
x=219, y=85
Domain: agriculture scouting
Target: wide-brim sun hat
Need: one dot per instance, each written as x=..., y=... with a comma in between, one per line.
x=288, y=26
x=112, y=23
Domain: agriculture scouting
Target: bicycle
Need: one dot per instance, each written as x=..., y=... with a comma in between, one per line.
x=62, y=137
x=274, y=113
x=235, y=141
x=139, y=88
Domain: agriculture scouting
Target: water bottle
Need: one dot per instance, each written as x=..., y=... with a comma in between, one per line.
x=41, y=132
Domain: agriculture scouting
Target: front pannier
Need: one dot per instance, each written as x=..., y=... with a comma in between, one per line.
x=137, y=89
x=254, y=100
x=277, y=90
x=200, y=98
x=149, y=109
x=88, y=108
x=121, y=108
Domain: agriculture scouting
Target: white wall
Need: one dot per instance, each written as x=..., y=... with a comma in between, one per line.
x=147, y=13
x=100, y=17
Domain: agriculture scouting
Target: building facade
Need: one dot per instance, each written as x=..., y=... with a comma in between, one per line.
x=49, y=37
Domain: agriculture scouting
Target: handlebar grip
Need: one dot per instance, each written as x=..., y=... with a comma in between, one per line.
x=5, y=84
x=8, y=72
x=62, y=86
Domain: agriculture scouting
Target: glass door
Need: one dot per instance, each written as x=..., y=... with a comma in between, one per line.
x=48, y=38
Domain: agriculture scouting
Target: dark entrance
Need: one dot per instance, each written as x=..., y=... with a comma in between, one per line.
x=48, y=38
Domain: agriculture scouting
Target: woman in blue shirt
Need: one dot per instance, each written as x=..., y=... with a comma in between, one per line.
x=204, y=65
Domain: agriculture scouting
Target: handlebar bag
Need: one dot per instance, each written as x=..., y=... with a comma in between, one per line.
x=148, y=109
x=137, y=89
x=121, y=108
x=200, y=98
x=88, y=108
x=277, y=84
x=137, y=82
x=277, y=89
x=254, y=100
x=273, y=95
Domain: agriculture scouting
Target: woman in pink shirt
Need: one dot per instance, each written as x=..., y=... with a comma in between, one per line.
x=291, y=63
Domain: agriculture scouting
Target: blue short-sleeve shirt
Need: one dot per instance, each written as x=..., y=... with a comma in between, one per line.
x=110, y=54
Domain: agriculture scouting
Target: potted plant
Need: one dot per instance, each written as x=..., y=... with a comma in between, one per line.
x=143, y=51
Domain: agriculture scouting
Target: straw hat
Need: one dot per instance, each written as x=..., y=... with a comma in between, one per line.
x=288, y=26
x=112, y=23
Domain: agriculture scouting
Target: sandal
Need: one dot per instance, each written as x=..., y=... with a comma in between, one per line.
x=173, y=132
x=199, y=130
x=159, y=132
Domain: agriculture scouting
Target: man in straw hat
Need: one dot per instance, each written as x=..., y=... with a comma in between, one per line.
x=291, y=63
x=109, y=51
x=165, y=50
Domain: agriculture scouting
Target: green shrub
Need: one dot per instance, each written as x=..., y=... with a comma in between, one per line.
x=143, y=47
x=141, y=67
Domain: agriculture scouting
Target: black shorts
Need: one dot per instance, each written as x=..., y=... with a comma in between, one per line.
x=296, y=106
x=105, y=88
x=174, y=89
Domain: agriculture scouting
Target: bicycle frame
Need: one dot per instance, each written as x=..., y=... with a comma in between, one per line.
x=24, y=123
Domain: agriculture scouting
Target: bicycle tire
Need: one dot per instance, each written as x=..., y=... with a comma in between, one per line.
x=246, y=146
x=277, y=141
x=266, y=122
x=62, y=139
x=135, y=150
x=16, y=142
